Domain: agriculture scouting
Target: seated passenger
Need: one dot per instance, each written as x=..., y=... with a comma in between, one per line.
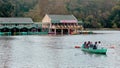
x=91, y=45
x=95, y=45
x=87, y=45
x=84, y=45
x=99, y=45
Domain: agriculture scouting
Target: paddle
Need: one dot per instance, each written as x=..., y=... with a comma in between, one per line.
x=112, y=47
x=77, y=46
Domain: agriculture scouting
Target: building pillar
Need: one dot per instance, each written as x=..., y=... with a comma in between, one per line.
x=49, y=30
x=55, y=31
x=61, y=31
x=75, y=30
x=50, y=27
x=68, y=31
x=19, y=31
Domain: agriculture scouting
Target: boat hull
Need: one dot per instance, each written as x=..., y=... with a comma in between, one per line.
x=97, y=51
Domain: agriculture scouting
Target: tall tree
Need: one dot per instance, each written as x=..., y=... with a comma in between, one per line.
x=6, y=8
x=115, y=14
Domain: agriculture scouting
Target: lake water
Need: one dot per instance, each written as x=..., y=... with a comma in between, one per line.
x=47, y=51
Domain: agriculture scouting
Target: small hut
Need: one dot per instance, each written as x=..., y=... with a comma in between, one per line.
x=60, y=24
x=13, y=25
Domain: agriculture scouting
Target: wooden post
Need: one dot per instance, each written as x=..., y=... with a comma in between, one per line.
x=49, y=27
x=75, y=30
x=68, y=31
x=55, y=31
x=61, y=31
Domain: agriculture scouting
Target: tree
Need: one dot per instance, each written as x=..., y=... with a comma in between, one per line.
x=115, y=14
x=6, y=8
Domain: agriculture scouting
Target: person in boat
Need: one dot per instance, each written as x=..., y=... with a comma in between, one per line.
x=99, y=45
x=84, y=45
x=95, y=45
x=91, y=45
x=87, y=45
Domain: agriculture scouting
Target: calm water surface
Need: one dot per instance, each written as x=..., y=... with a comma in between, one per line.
x=58, y=51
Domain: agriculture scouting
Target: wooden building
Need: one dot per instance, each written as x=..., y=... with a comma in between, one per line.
x=61, y=24
x=19, y=26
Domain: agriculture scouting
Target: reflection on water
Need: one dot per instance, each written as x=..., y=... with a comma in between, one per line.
x=58, y=51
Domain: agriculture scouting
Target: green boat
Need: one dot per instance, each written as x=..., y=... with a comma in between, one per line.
x=97, y=51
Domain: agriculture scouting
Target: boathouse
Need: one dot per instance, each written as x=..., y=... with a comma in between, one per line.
x=61, y=24
x=19, y=26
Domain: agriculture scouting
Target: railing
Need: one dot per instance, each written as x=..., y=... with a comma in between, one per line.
x=68, y=26
x=22, y=33
x=5, y=33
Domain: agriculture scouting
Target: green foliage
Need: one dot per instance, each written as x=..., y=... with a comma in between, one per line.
x=23, y=6
x=6, y=8
x=115, y=15
x=114, y=25
x=17, y=8
x=94, y=13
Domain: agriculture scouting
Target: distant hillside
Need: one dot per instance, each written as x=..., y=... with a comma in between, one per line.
x=94, y=13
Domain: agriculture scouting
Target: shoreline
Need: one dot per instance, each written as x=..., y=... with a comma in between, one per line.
x=88, y=29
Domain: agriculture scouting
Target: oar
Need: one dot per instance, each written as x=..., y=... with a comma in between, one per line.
x=112, y=47
x=77, y=46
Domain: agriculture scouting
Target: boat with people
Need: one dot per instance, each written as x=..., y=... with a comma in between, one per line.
x=96, y=50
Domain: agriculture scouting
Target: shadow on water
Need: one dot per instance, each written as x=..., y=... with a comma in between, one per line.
x=95, y=54
x=6, y=38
